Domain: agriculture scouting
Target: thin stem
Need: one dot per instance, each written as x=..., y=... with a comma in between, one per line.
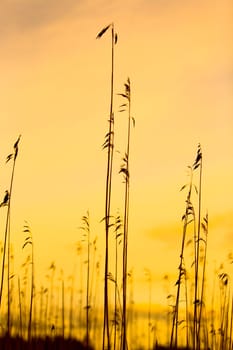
x=71, y=305
x=189, y=210
x=20, y=309
x=196, y=300
x=88, y=281
x=110, y=147
x=115, y=287
x=231, y=326
x=125, y=170
x=205, y=227
x=7, y=237
x=63, y=307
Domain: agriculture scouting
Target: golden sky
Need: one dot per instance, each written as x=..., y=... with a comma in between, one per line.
x=54, y=91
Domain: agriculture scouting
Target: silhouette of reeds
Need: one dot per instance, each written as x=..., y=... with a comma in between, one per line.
x=42, y=315
x=41, y=318
x=188, y=218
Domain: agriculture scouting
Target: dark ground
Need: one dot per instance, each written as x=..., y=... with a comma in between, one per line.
x=56, y=343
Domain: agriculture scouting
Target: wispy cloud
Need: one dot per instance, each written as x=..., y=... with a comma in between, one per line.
x=24, y=15
x=220, y=234
x=167, y=233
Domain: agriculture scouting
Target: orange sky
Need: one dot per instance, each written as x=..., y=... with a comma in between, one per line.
x=55, y=92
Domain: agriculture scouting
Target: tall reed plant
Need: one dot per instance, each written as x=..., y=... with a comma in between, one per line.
x=7, y=238
x=109, y=145
x=29, y=241
x=125, y=171
x=189, y=218
x=86, y=229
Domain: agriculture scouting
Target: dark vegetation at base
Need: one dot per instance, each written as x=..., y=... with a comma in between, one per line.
x=56, y=343
x=158, y=347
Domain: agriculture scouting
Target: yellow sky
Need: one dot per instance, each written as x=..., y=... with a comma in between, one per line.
x=55, y=92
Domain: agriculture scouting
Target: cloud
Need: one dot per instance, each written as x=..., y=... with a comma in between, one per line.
x=23, y=15
x=167, y=233
x=168, y=236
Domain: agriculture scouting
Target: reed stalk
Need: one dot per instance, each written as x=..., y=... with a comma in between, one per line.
x=86, y=229
x=51, y=316
x=29, y=241
x=71, y=305
x=20, y=310
x=148, y=278
x=118, y=235
x=231, y=325
x=79, y=253
x=224, y=306
x=63, y=304
x=204, y=226
x=7, y=238
x=125, y=171
x=109, y=145
x=187, y=218
x=92, y=275
x=197, y=318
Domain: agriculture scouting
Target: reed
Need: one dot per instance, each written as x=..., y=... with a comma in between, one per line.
x=197, y=302
x=203, y=330
x=149, y=282
x=187, y=218
x=7, y=238
x=118, y=239
x=125, y=171
x=71, y=304
x=109, y=145
x=86, y=235
x=79, y=249
x=50, y=319
x=93, y=281
x=29, y=241
x=200, y=323
x=20, y=310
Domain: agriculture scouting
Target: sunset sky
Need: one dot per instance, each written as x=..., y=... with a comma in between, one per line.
x=55, y=90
